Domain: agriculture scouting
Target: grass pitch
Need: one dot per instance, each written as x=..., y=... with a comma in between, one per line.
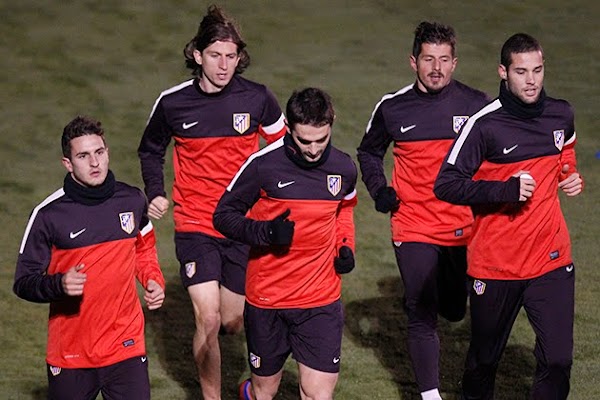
x=111, y=59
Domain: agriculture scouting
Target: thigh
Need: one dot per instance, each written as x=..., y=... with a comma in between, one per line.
x=550, y=302
x=126, y=380
x=267, y=340
x=234, y=257
x=199, y=258
x=75, y=384
x=453, y=267
x=316, y=336
x=495, y=305
x=418, y=264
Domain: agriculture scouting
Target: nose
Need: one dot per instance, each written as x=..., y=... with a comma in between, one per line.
x=94, y=161
x=437, y=64
x=223, y=62
x=530, y=78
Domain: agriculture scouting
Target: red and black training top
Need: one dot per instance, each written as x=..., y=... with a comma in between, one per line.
x=116, y=243
x=214, y=134
x=321, y=200
x=422, y=127
x=511, y=239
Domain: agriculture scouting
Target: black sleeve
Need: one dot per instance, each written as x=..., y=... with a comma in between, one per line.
x=455, y=184
x=32, y=283
x=151, y=151
x=371, y=151
x=230, y=215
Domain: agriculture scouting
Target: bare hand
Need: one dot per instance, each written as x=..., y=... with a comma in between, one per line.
x=572, y=185
x=158, y=207
x=154, y=295
x=527, y=185
x=73, y=281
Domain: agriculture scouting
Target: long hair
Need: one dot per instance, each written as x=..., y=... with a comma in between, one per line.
x=215, y=26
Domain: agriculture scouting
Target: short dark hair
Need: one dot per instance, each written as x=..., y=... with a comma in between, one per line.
x=215, y=26
x=518, y=43
x=433, y=33
x=310, y=106
x=80, y=126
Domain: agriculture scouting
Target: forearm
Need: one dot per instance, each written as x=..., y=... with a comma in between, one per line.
x=230, y=219
x=39, y=288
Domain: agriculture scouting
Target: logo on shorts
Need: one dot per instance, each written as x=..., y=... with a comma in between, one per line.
x=241, y=122
x=144, y=359
x=336, y=360
x=569, y=268
x=334, y=184
x=190, y=269
x=559, y=138
x=127, y=221
x=479, y=287
x=458, y=121
x=254, y=360
x=54, y=370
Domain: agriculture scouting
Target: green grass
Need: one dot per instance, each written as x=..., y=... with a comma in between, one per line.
x=111, y=59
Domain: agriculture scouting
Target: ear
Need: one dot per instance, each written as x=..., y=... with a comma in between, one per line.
x=198, y=57
x=502, y=72
x=67, y=164
x=413, y=63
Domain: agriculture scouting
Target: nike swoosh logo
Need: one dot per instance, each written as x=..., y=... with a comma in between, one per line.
x=406, y=129
x=506, y=151
x=143, y=359
x=569, y=268
x=188, y=126
x=336, y=360
x=281, y=185
x=73, y=235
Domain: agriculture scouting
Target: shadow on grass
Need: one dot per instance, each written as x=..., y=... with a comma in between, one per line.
x=173, y=328
x=380, y=323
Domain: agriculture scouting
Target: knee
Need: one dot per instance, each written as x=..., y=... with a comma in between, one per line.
x=209, y=323
x=559, y=363
x=232, y=326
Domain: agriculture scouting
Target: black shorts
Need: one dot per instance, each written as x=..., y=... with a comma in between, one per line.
x=205, y=258
x=125, y=380
x=313, y=336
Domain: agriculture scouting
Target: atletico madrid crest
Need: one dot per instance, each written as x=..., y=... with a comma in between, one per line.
x=559, y=138
x=127, y=221
x=54, y=370
x=190, y=269
x=334, y=184
x=479, y=287
x=254, y=360
x=241, y=122
x=458, y=121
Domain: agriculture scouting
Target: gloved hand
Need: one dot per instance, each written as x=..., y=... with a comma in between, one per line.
x=344, y=263
x=386, y=200
x=281, y=229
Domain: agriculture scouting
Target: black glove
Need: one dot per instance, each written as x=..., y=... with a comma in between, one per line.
x=344, y=263
x=281, y=229
x=386, y=200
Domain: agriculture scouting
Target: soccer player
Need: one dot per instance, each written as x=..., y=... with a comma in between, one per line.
x=83, y=248
x=429, y=236
x=506, y=164
x=215, y=120
x=301, y=193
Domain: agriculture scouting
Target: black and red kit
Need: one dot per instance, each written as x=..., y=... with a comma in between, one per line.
x=107, y=231
x=214, y=133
